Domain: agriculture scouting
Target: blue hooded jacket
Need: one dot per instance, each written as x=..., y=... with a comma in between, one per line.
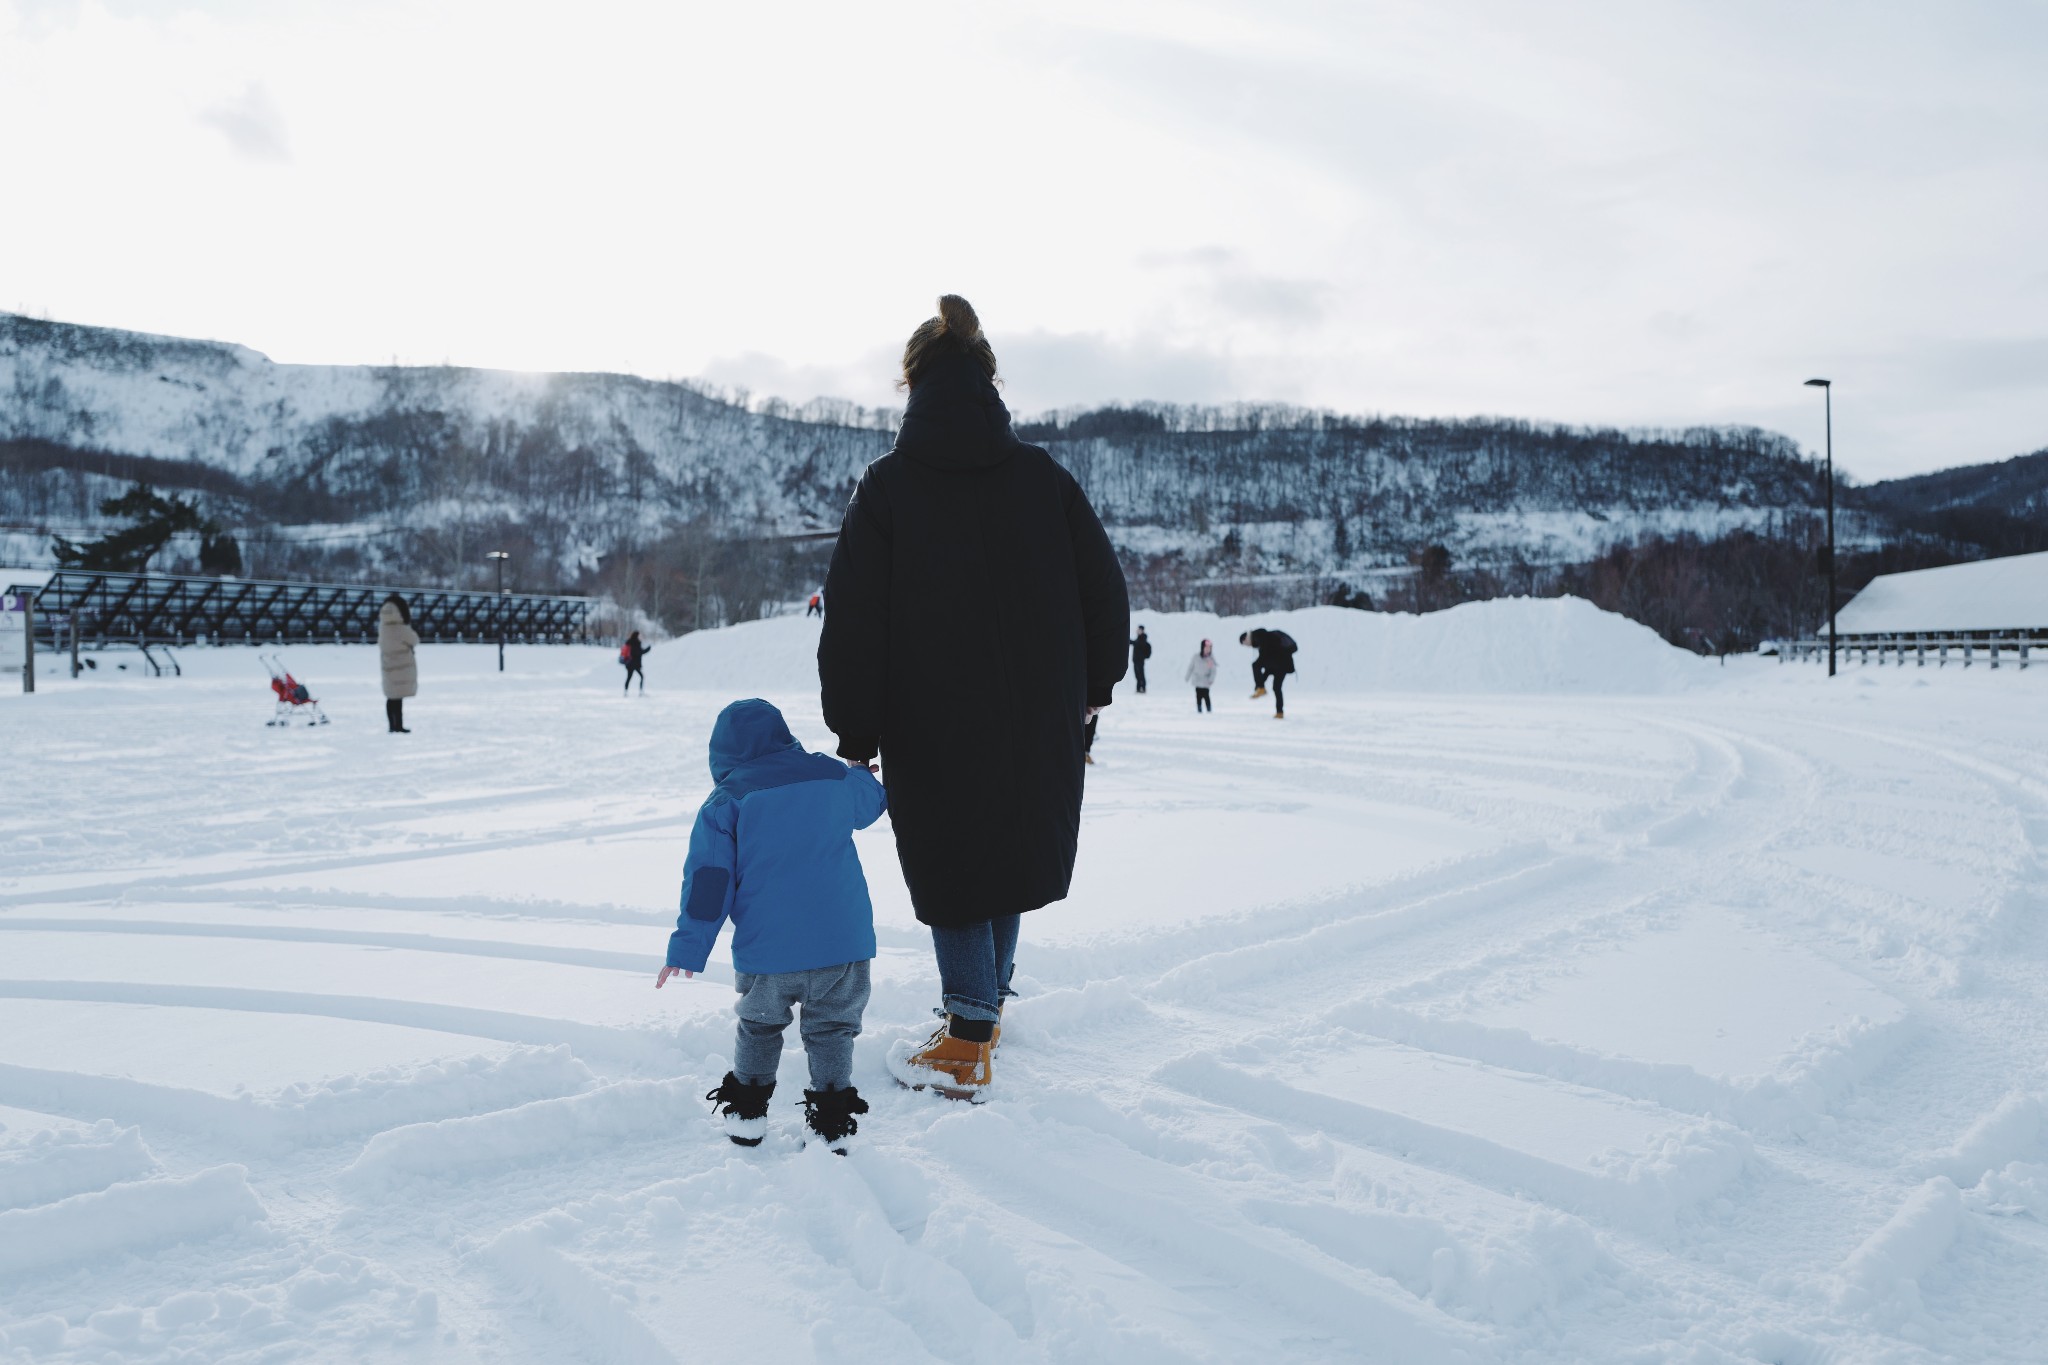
x=773, y=851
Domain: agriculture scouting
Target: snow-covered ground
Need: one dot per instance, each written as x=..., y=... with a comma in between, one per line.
x=1532, y=993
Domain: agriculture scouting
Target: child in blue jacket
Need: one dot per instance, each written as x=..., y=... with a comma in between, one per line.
x=772, y=850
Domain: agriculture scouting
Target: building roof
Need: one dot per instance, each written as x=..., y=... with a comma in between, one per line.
x=1990, y=594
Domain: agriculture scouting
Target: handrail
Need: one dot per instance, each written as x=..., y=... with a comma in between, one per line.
x=1921, y=645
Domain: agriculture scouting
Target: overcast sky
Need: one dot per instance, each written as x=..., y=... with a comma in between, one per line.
x=1631, y=212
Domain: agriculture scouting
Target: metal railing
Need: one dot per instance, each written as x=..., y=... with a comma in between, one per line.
x=1922, y=647
x=129, y=608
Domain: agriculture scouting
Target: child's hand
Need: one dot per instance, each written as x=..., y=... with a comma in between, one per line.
x=667, y=972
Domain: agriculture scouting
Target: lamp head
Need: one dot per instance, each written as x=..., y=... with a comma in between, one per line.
x=1819, y=383
x=498, y=554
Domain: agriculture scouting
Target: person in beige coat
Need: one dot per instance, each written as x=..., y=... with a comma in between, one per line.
x=396, y=641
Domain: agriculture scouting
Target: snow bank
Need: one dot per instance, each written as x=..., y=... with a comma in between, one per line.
x=2016, y=1128
x=1888, y=1265
x=538, y=1130
x=312, y=1112
x=333, y=1307
x=143, y=1213
x=58, y=1163
x=1511, y=645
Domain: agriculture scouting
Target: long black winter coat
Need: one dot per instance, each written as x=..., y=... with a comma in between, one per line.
x=977, y=611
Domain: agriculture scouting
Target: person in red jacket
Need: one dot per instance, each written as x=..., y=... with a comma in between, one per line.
x=630, y=654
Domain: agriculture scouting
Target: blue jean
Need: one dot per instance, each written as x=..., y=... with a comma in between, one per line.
x=975, y=965
x=832, y=999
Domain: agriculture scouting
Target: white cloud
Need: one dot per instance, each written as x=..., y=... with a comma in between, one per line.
x=252, y=123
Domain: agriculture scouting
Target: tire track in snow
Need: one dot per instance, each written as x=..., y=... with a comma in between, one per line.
x=638, y=963
x=479, y=906
x=1165, y=1225
x=263, y=872
x=617, y=1045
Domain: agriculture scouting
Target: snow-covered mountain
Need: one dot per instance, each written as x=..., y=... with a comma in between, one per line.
x=581, y=462
x=586, y=462
x=414, y=471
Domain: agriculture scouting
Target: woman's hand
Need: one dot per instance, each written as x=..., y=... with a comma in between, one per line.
x=667, y=972
x=856, y=763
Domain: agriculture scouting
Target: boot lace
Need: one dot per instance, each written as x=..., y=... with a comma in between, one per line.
x=830, y=1113
x=734, y=1096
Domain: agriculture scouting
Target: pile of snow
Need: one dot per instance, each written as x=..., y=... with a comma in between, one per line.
x=1511, y=644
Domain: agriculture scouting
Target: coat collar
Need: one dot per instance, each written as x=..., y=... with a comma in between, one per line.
x=955, y=418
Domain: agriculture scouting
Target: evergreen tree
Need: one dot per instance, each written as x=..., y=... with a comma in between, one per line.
x=152, y=520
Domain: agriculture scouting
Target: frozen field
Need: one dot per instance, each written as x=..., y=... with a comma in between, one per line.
x=1706, y=1023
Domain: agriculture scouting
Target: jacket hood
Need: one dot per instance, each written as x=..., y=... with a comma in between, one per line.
x=955, y=419
x=745, y=732
x=388, y=614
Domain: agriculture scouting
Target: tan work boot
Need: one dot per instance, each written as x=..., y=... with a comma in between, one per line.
x=1258, y=692
x=954, y=1067
x=995, y=1039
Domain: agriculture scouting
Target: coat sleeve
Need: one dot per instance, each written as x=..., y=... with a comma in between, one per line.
x=1105, y=604
x=853, y=646
x=710, y=874
x=869, y=798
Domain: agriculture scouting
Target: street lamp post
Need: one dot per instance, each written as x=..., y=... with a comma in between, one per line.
x=1827, y=388
x=501, y=557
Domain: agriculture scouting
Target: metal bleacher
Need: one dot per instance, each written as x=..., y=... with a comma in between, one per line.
x=148, y=608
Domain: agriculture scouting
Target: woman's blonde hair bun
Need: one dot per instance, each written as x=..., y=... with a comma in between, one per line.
x=955, y=329
x=958, y=315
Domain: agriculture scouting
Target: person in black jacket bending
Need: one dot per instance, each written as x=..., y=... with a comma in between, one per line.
x=1274, y=662
x=966, y=554
x=1141, y=650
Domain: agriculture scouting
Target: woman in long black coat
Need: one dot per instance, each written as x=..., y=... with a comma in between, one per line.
x=978, y=618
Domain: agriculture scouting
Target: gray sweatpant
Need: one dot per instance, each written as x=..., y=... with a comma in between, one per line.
x=832, y=999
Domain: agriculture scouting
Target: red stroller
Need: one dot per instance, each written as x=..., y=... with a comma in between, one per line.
x=292, y=696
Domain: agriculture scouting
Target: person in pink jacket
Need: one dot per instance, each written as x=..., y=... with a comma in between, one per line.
x=1202, y=673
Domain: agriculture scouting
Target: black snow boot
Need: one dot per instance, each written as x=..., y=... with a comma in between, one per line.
x=745, y=1108
x=830, y=1114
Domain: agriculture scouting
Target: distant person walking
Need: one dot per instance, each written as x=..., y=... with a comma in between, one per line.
x=1202, y=673
x=984, y=781
x=630, y=654
x=1141, y=650
x=817, y=606
x=396, y=641
x=1274, y=662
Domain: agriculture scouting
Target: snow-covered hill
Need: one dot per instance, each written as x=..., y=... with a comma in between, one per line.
x=1549, y=645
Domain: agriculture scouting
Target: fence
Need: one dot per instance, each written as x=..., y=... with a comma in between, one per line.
x=130, y=608
x=1964, y=647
